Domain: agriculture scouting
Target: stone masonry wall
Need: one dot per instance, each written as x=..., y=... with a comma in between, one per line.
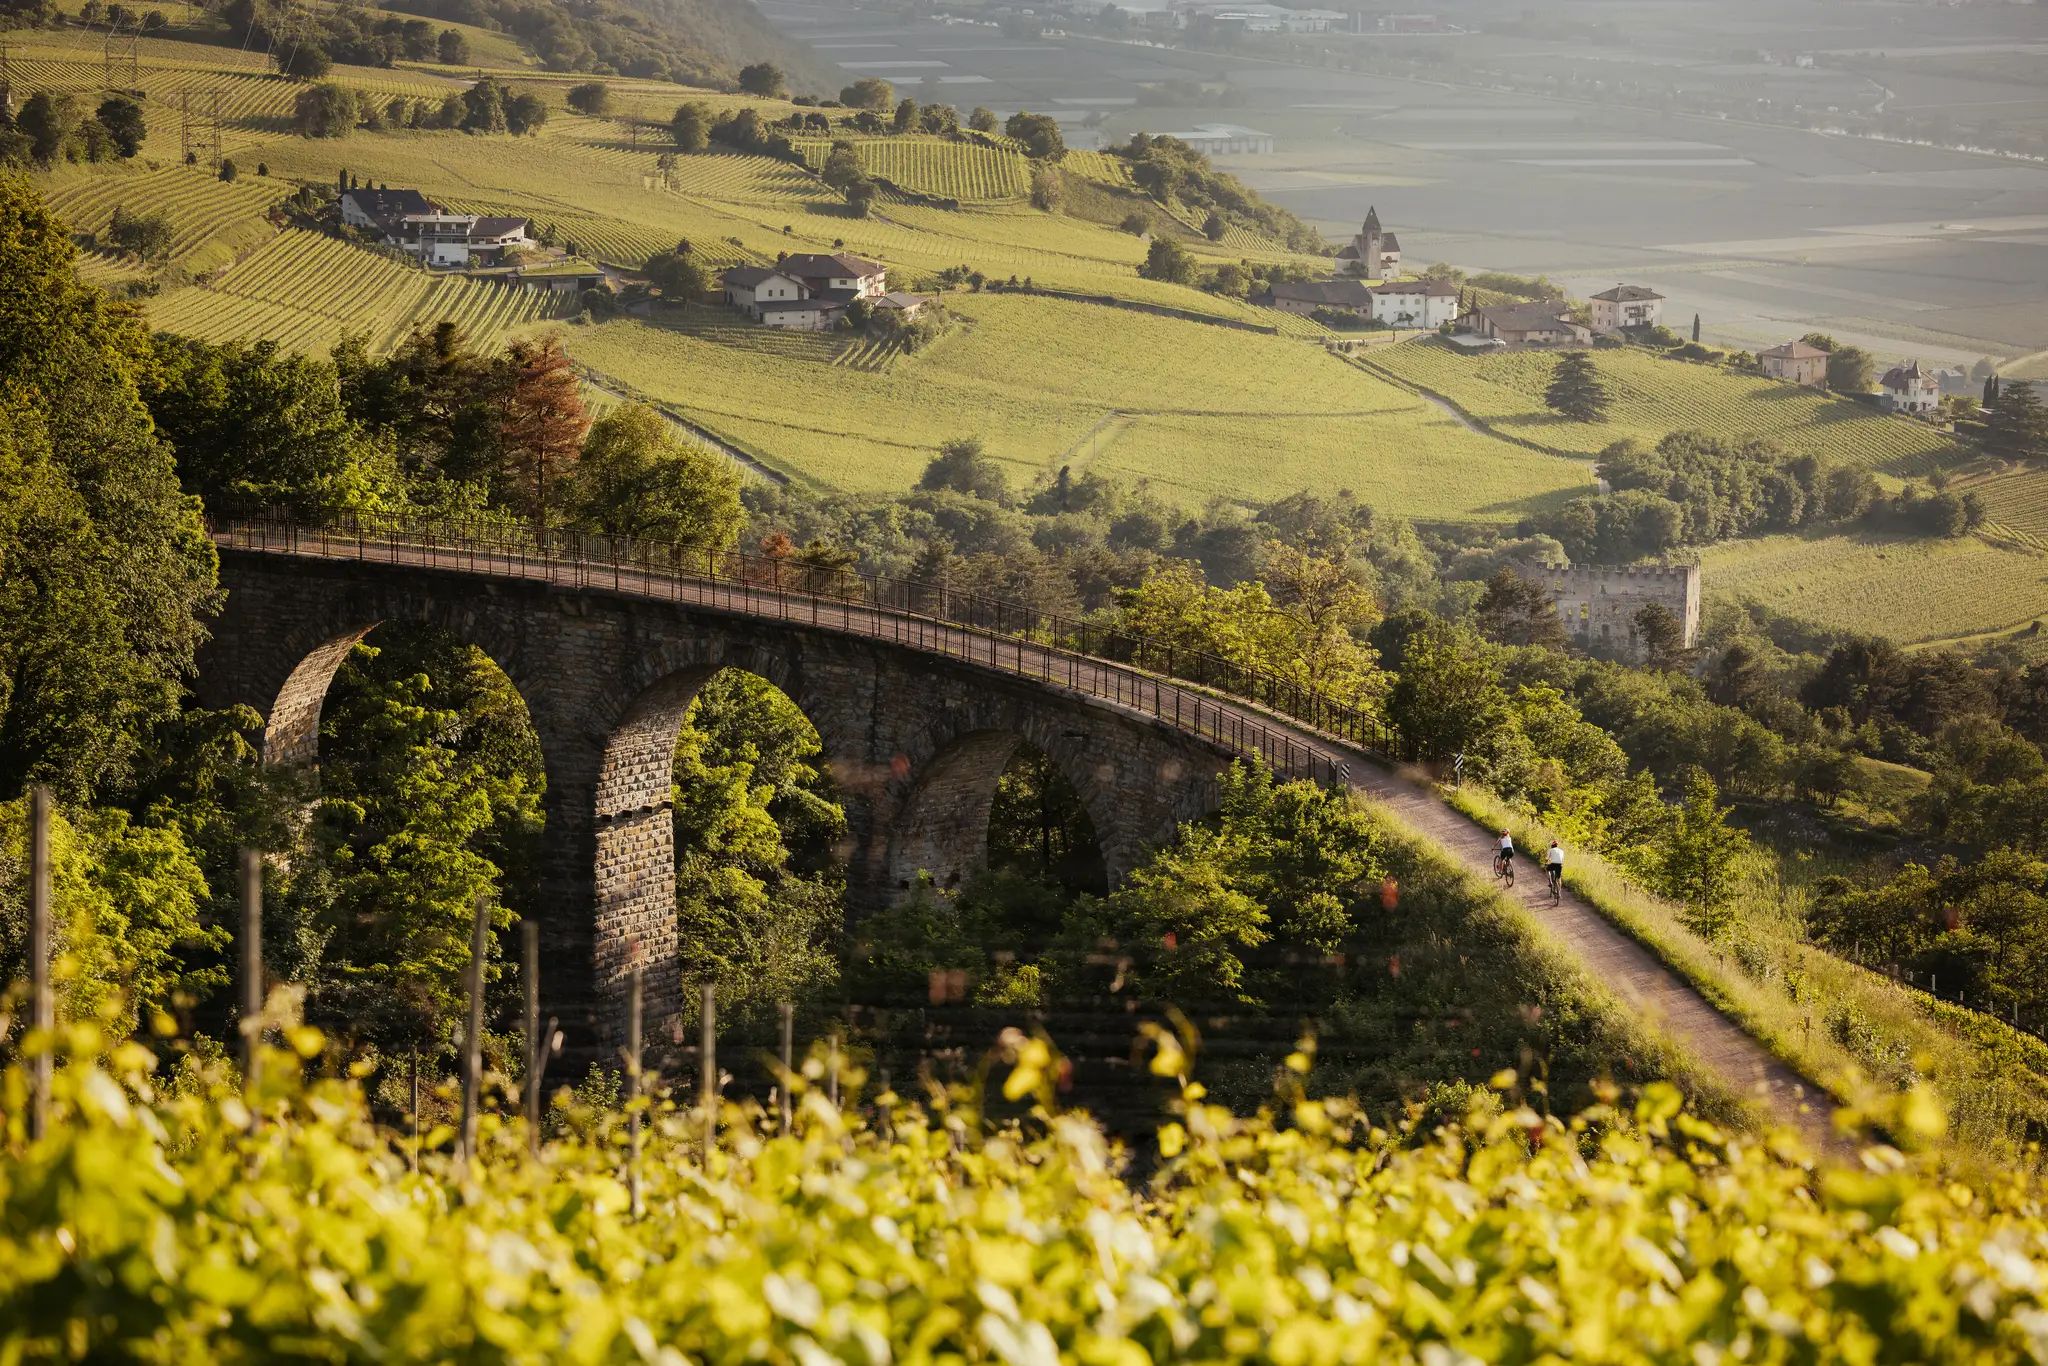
x=916, y=743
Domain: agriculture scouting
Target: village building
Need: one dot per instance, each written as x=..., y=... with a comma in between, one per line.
x=1599, y=603
x=1260, y=18
x=1415, y=303
x=905, y=306
x=381, y=210
x=1626, y=306
x=1909, y=389
x=570, y=276
x=1377, y=253
x=1223, y=139
x=1797, y=363
x=1533, y=324
x=1309, y=297
x=800, y=315
x=748, y=287
x=837, y=277
x=408, y=220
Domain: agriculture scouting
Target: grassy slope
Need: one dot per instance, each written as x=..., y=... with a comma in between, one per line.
x=1650, y=396
x=1863, y=1037
x=1222, y=412
x=1914, y=590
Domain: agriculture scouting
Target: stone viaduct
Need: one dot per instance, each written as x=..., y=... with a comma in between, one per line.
x=915, y=740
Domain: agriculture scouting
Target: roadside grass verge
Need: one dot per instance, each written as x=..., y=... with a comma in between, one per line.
x=1855, y=1034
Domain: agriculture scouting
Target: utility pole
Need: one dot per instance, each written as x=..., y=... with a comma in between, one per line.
x=185, y=127
x=214, y=118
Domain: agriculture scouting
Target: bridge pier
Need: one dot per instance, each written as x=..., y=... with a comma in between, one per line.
x=917, y=742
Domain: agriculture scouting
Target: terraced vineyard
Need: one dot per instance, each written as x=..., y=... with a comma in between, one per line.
x=1651, y=396
x=2015, y=505
x=1237, y=414
x=205, y=211
x=967, y=171
x=1913, y=590
x=306, y=292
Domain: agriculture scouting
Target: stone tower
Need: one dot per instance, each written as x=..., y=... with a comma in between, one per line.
x=1597, y=603
x=1369, y=240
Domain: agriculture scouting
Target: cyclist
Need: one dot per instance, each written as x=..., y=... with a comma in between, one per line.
x=1553, y=864
x=1504, y=858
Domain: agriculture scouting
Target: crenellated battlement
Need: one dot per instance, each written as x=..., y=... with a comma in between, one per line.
x=1598, y=603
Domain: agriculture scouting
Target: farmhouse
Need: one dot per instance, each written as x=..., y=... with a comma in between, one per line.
x=1598, y=603
x=1536, y=324
x=382, y=210
x=748, y=287
x=1626, y=306
x=1797, y=362
x=1218, y=139
x=1307, y=297
x=1415, y=303
x=1377, y=253
x=838, y=277
x=1909, y=389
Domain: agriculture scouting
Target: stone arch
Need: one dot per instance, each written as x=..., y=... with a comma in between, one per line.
x=941, y=824
x=634, y=876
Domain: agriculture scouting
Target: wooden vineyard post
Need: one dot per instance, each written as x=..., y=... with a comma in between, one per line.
x=633, y=1093
x=42, y=1001
x=707, y=1084
x=252, y=969
x=788, y=1064
x=473, y=1031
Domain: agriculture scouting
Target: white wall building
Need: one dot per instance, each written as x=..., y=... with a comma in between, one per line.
x=1909, y=389
x=1626, y=306
x=1415, y=303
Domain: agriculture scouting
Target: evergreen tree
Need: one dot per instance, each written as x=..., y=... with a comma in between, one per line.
x=1575, y=389
x=2018, y=429
x=1518, y=611
x=1695, y=327
x=542, y=430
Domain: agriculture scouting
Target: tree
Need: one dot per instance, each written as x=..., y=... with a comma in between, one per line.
x=1576, y=390
x=1518, y=611
x=2018, y=429
x=842, y=168
x=147, y=236
x=964, y=466
x=122, y=118
x=1695, y=329
x=542, y=428
x=691, y=126
x=50, y=122
x=483, y=108
x=1850, y=370
x=905, y=118
x=982, y=120
x=869, y=92
x=228, y=170
x=107, y=568
x=860, y=197
x=525, y=113
x=452, y=48
x=680, y=277
x=1696, y=859
x=1040, y=134
x=1048, y=189
x=1662, y=638
x=1214, y=226
x=764, y=79
x=304, y=61
x=1166, y=260
x=325, y=111
x=591, y=97
x=638, y=479
x=1447, y=698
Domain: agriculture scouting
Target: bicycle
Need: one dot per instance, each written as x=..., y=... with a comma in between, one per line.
x=1556, y=871
x=1504, y=869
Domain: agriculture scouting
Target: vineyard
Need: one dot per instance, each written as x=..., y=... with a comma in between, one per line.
x=1650, y=397
x=305, y=292
x=2015, y=506
x=1912, y=590
x=171, y=1220
x=1236, y=414
x=205, y=211
x=966, y=171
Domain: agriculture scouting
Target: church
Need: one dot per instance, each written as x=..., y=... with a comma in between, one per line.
x=1378, y=253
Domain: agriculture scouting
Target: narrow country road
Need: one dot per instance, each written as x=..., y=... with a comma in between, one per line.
x=1609, y=955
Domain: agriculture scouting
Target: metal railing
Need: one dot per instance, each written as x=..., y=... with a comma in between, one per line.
x=1199, y=694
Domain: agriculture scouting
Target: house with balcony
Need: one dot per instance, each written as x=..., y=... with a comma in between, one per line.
x=838, y=277
x=1626, y=306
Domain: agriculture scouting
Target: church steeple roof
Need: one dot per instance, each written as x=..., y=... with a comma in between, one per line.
x=1372, y=219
